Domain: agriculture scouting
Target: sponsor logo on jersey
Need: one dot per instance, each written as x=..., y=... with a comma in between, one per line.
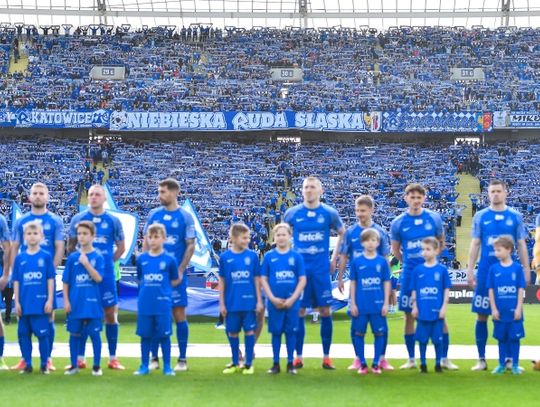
x=153, y=277
x=32, y=275
x=418, y=222
x=240, y=275
x=429, y=291
x=100, y=240
x=414, y=244
x=370, y=281
x=311, y=237
x=506, y=289
x=171, y=240
x=285, y=275
x=83, y=278
x=311, y=214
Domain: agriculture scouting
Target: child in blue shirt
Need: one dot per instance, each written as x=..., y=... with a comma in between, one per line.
x=157, y=272
x=82, y=297
x=283, y=278
x=369, y=293
x=506, y=284
x=239, y=295
x=430, y=293
x=33, y=284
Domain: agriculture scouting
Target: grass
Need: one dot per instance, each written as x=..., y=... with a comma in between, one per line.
x=204, y=385
x=460, y=322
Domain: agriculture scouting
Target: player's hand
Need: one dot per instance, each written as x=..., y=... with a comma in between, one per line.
x=442, y=313
x=354, y=310
x=414, y=312
x=83, y=259
x=259, y=308
x=288, y=303
x=223, y=310
x=277, y=302
x=48, y=307
x=333, y=263
x=340, y=284
x=517, y=314
x=384, y=310
x=67, y=307
x=471, y=280
x=3, y=282
x=495, y=314
x=18, y=309
x=181, y=275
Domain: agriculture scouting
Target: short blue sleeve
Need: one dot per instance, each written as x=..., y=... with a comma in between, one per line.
x=476, y=232
x=447, y=283
x=385, y=271
x=118, y=229
x=520, y=277
x=4, y=230
x=521, y=232
x=301, y=267
x=385, y=244
x=190, y=226
x=346, y=243
x=58, y=228
x=17, y=235
x=538, y=221
x=264, y=267
x=67, y=270
x=15, y=272
x=51, y=272
x=395, y=232
x=256, y=265
x=173, y=269
x=73, y=226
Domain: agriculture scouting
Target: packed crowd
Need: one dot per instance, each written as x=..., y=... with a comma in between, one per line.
x=204, y=69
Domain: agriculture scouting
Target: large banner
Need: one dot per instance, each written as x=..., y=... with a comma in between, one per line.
x=404, y=122
x=516, y=120
x=401, y=122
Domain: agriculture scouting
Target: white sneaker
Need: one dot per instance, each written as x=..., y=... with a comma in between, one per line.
x=181, y=366
x=410, y=364
x=154, y=364
x=72, y=371
x=447, y=364
x=97, y=372
x=481, y=365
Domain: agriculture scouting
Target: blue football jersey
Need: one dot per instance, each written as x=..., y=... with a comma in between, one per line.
x=53, y=230
x=33, y=271
x=429, y=284
x=488, y=225
x=505, y=283
x=239, y=271
x=410, y=230
x=4, y=230
x=370, y=276
x=108, y=231
x=155, y=274
x=84, y=293
x=352, y=243
x=283, y=271
x=179, y=225
x=311, y=234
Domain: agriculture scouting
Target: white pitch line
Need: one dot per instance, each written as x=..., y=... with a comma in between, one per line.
x=338, y=351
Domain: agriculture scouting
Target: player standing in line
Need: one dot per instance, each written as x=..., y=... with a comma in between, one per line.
x=33, y=284
x=488, y=224
x=157, y=272
x=352, y=248
x=407, y=232
x=506, y=285
x=370, y=291
x=53, y=231
x=108, y=234
x=283, y=278
x=430, y=294
x=312, y=223
x=83, y=295
x=180, y=243
x=240, y=296
x=4, y=280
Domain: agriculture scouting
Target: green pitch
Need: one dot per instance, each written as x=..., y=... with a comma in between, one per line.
x=460, y=322
x=204, y=385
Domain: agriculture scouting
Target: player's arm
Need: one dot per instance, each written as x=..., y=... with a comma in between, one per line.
x=387, y=290
x=222, y=308
x=65, y=292
x=59, y=247
x=72, y=244
x=50, y=293
x=259, y=306
x=494, y=311
x=174, y=273
x=343, y=259
x=444, y=307
x=519, y=307
x=120, y=249
x=396, y=250
x=335, y=253
x=352, y=291
x=536, y=251
x=83, y=259
x=414, y=312
x=269, y=294
x=442, y=242
x=524, y=259
x=190, y=249
x=474, y=250
x=6, y=246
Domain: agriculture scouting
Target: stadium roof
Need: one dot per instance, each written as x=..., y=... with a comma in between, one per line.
x=275, y=13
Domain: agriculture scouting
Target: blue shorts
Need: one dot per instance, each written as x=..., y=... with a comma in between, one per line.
x=80, y=325
x=404, y=300
x=508, y=331
x=154, y=326
x=238, y=320
x=318, y=291
x=107, y=288
x=283, y=321
x=376, y=321
x=179, y=294
x=394, y=281
x=426, y=330
x=33, y=324
x=480, y=299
